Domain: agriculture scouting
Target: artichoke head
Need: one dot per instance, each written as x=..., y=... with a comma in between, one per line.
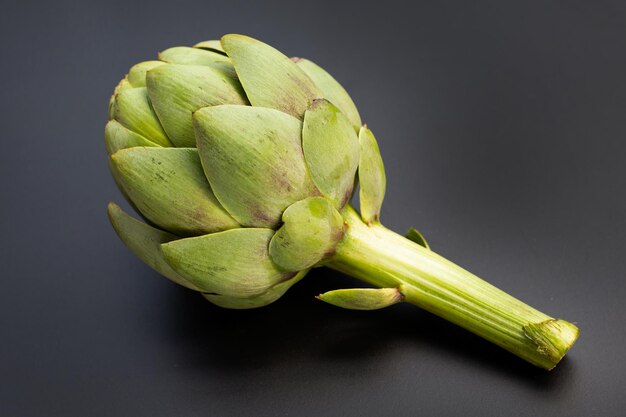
x=241, y=161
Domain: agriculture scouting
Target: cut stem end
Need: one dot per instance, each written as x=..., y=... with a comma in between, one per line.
x=553, y=338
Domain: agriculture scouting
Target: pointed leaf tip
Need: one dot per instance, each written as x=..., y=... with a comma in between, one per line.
x=145, y=242
x=330, y=90
x=269, y=78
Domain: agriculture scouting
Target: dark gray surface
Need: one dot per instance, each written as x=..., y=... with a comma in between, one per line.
x=503, y=131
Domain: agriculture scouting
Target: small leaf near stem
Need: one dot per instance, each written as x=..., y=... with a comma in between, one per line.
x=362, y=298
x=415, y=236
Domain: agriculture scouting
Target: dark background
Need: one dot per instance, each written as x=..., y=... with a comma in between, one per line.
x=502, y=125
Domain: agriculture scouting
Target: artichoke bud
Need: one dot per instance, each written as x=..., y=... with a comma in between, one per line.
x=310, y=232
x=243, y=162
x=176, y=91
x=240, y=160
x=362, y=298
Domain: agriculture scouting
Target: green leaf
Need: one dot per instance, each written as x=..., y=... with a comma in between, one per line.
x=269, y=77
x=145, y=242
x=133, y=110
x=416, y=237
x=121, y=86
x=176, y=91
x=137, y=73
x=372, y=180
x=253, y=159
x=118, y=137
x=167, y=185
x=197, y=56
x=312, y=227
x=331, y=90
x=262, y=300
x=362, y=298
x=331, y=151
x=234, y=263
x=213, y=45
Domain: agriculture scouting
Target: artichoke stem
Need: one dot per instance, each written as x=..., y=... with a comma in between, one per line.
x=385, y=259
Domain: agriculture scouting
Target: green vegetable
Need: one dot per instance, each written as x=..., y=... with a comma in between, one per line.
x=243, y=163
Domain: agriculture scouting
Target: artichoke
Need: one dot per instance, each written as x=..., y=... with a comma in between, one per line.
x=243, y=162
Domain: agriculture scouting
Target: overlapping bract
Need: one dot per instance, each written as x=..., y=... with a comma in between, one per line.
x=240, y=160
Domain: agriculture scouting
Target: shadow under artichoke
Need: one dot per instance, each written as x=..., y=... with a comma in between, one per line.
x=298, y=330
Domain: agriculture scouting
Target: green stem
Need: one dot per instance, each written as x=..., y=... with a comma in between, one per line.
x=385, y=259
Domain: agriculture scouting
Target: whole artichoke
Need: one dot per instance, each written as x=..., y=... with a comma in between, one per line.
x=242, y=162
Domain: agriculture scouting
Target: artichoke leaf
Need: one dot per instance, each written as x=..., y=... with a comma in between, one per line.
x=132, y=109
x=362, y=298
x=198, y=56
x=137, y=73
x=176, y=91
x=372, y=181
x=121, y=86
x=331, y=151
x=262, y=300
x=415, y=236
x=233, y=263
x=253, y=160
x=270, y=78
x=168, y=186
x=118, y=137
x=331, y=90
x=312, y=227
x=145, y=242
x=212, y=45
